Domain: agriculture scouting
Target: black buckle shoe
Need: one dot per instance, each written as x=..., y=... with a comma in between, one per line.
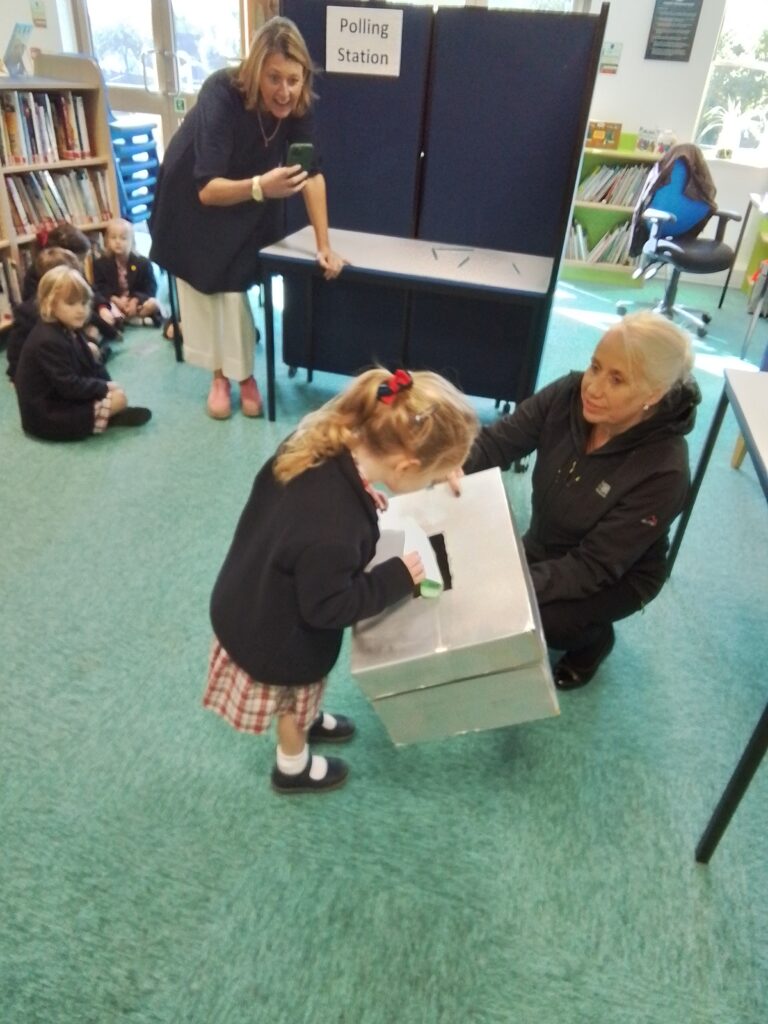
x=336, y=776
x=343, y=731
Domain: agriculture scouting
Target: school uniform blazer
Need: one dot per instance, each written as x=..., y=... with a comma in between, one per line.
x=57, y=381
x=141, y=277
x=293, y=577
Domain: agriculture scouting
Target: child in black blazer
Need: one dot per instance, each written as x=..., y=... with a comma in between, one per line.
x=64, y=392
x=295, y=574
x=127, y=278
x=26, y=313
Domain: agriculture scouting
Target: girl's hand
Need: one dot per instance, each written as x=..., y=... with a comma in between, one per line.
x=281, y=182
x=331, y=262
x=414, y=566
x=380, y=499
x=454, y=480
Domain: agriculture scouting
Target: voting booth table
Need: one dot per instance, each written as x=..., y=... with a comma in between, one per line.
x=447, y=127
x=471, y=656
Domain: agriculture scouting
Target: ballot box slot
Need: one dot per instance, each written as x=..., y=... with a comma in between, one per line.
x=437, y=540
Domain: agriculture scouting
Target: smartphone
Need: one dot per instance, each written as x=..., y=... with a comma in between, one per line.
x=300, y=153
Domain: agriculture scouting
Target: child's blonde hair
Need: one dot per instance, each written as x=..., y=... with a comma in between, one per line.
x=430, y=420
x=60, y=284
x=118, y=223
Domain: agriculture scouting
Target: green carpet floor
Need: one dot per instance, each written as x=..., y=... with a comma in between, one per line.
x=542, y=873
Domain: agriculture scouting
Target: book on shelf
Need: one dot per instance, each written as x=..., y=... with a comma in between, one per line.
x=100, y=179
x=65, y=111
x=52, y=188
x=12, y=121
x=68, y=187
x=19, y=213
x=88, y=192
x=6, y=306
x=81, y=124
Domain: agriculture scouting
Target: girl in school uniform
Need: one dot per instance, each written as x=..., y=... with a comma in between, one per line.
x=64, y=391
x=295, y=576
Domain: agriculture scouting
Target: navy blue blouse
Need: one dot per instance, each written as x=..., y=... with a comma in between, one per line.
x=214, y=248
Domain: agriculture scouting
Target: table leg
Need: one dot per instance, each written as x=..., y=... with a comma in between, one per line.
x=761, y=289
x=269, y=323
x=735, y=790
x=735, y=252
x=714, y=430
x=173, y=298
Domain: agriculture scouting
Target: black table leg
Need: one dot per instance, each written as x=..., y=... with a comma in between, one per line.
x=714, y=430
x=735, y=252
x=269, y=323
x=173, y=298
x=735, y=790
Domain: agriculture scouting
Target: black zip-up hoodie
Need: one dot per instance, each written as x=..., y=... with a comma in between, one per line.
x=600, y=517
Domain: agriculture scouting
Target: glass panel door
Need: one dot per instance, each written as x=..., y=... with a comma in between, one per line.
x=155, y=54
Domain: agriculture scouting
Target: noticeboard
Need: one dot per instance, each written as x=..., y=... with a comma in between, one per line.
x=673, y=30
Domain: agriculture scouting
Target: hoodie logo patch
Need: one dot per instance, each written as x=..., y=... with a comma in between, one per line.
x=603, y=489
x=650, y=521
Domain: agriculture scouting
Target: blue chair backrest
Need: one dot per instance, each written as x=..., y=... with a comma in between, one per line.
x=670, y=198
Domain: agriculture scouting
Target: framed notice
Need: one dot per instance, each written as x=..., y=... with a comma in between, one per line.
x=673, y=29
x=603, y=135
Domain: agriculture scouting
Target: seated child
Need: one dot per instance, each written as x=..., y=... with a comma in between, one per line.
x=105, y=321
x=127, y=278
x=25, y=314
x=64, y=392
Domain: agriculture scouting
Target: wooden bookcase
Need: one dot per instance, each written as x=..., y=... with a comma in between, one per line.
x=597, y=219
x=32, y=161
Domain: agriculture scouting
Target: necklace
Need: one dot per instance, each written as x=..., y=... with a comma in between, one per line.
x=267, y=138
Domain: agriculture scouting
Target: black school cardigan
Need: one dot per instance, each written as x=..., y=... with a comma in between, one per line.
x=57, y=381
x=141, y=277
x=293, y=578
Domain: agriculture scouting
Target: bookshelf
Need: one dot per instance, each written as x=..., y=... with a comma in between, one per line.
x=56, y=160
x=610, y=182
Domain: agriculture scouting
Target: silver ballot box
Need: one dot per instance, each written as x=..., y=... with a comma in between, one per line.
x=474, y=657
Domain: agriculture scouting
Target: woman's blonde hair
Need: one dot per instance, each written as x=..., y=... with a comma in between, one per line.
x=60, y=284
x=431, y=421
x=658, y=351
x=278, y=35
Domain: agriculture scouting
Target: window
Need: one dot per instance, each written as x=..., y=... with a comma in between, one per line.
x=734, y=115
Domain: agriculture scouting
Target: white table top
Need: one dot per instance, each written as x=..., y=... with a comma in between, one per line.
x=412, y=258
x=748, y=393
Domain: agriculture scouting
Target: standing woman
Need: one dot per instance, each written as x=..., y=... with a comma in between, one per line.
x=217, y=203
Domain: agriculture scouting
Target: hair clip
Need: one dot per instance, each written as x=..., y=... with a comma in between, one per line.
x=400, y=380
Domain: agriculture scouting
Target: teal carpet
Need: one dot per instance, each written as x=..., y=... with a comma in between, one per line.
x=542, y=873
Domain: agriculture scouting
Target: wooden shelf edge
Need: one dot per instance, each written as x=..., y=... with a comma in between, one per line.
x=582, y=204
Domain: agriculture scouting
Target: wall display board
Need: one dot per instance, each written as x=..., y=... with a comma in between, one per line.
x=454, y=150
x=673, y=30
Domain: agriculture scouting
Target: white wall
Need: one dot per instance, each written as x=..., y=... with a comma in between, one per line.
x=654, y=93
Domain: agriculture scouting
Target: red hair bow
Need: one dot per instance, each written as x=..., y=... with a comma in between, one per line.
x=399, y=381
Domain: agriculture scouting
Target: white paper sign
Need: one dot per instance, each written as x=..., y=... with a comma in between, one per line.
x=363, y=41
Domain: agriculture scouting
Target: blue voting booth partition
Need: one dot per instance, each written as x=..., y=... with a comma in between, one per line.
x=476, y=143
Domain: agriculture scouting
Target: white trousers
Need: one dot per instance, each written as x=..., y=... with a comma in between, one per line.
x=218, y=330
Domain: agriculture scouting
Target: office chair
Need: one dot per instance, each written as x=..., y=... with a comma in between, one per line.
x=669, y=218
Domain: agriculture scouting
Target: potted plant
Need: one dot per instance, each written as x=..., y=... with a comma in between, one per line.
x=730, y=124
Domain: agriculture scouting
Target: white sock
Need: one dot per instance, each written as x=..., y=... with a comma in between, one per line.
x=329, y=722
x=319, y=768
x=292, y=764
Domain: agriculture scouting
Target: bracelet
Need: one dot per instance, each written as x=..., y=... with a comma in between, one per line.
x=257, y=192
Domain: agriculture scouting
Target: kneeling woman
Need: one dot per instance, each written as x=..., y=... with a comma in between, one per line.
x=611, y=474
